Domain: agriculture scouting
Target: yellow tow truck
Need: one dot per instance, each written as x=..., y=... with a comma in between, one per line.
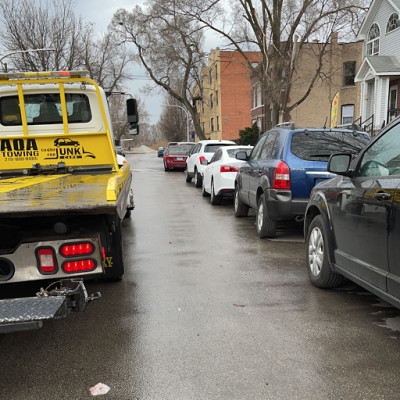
x=63, y=193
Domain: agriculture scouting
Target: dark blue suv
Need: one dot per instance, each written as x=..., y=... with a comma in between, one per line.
x=285, y=164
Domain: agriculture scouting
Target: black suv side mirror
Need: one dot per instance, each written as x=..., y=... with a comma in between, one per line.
x=339, y=163
x=242, y=155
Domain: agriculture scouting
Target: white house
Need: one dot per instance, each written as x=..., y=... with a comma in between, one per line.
x=379, y=73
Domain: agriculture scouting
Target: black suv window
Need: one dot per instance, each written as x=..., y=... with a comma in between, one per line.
x=383, y=157
x=320, y=145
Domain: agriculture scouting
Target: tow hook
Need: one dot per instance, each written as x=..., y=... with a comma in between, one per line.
x=75, y=292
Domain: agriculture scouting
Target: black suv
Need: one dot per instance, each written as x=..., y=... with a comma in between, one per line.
x=352, y=222
x=285, y=164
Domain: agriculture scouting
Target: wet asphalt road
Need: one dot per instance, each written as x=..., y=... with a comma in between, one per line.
x=207, y=310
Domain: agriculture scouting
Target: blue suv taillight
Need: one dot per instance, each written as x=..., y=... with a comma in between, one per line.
x=281, y=176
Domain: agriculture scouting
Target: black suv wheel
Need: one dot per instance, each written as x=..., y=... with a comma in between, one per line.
x=319, y=270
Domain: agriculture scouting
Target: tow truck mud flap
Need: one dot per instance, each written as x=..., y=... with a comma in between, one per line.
x=30, y=312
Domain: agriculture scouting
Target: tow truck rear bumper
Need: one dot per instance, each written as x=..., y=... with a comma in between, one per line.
x=29, y=312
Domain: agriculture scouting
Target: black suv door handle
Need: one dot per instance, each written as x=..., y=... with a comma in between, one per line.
x=382, y=196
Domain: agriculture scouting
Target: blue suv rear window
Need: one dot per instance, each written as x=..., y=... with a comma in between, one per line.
x=320, y=145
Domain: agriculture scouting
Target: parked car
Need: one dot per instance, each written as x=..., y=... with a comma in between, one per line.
x=175, y=157
x=190, y=144
x=285, y=164
x=160, y=151
x=199, y=157
x=220, y=173
x=352, y=222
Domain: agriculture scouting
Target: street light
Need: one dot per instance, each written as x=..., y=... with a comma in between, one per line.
x=187, y=119
x=10, y=53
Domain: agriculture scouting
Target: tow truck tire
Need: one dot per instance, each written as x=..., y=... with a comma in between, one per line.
x=116, y=271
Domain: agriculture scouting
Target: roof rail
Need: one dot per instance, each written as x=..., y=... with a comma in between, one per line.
x=353, y=126
x=289, y=125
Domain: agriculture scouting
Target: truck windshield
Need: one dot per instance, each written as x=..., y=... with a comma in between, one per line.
x=45, y=109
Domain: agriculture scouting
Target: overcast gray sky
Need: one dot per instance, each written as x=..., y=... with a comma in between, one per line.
x=100, y=12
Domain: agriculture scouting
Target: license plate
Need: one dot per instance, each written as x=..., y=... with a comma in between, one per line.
x=179, y=158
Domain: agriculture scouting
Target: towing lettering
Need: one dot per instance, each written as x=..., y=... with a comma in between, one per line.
x=18, y=145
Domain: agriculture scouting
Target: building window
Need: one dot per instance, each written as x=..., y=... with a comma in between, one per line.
x=256, y=96
x=349, y=73
x=210, y=76
x=212, y=124
x=393, y=23
x=216, y=97
x=373, y=40
x=211, y=101
x=217, y=123
x=347, y=114
x=216, y=72
x=203, y=127
x=202, y=107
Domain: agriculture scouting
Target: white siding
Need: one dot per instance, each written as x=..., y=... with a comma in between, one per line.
x=389, y=43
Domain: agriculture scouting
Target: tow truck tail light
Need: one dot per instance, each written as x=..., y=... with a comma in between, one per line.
x=76, y=249
x=282, y=176
x=46, y=259
x=79, y=266
x=228, y=168
x=203, y=160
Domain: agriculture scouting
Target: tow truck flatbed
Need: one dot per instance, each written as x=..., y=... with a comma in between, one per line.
x=52, y=194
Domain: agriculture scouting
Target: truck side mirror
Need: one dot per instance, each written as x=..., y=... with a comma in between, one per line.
x=133, y=116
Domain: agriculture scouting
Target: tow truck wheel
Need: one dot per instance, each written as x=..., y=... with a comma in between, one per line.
x=115, y=266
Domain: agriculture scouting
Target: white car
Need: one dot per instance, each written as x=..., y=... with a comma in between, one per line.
x=219, y=176
x=199, y=157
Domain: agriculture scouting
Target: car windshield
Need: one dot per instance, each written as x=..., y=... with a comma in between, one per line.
x=179, y=150
x=232, y=152
x=212, y=148
x=320, y=145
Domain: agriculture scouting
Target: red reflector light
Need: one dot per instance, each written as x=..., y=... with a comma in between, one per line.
x=203, y=160
x=228, y=168
x=282, y=176
x=64, y=73
x=76, y=249
x=103, y=253
x=79, y=266
x=46, y=260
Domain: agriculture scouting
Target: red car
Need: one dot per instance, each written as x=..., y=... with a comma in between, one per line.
x=175, y=157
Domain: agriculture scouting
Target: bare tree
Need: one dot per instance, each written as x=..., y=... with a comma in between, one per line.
x=169, y=47
x=173, y=123
x=38, y=24
x=279, y=29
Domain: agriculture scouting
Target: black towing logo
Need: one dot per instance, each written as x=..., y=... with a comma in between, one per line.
x=66, y=148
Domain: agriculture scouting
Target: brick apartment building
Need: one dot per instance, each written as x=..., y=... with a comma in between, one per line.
x=341, y=62
x=226, y=102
